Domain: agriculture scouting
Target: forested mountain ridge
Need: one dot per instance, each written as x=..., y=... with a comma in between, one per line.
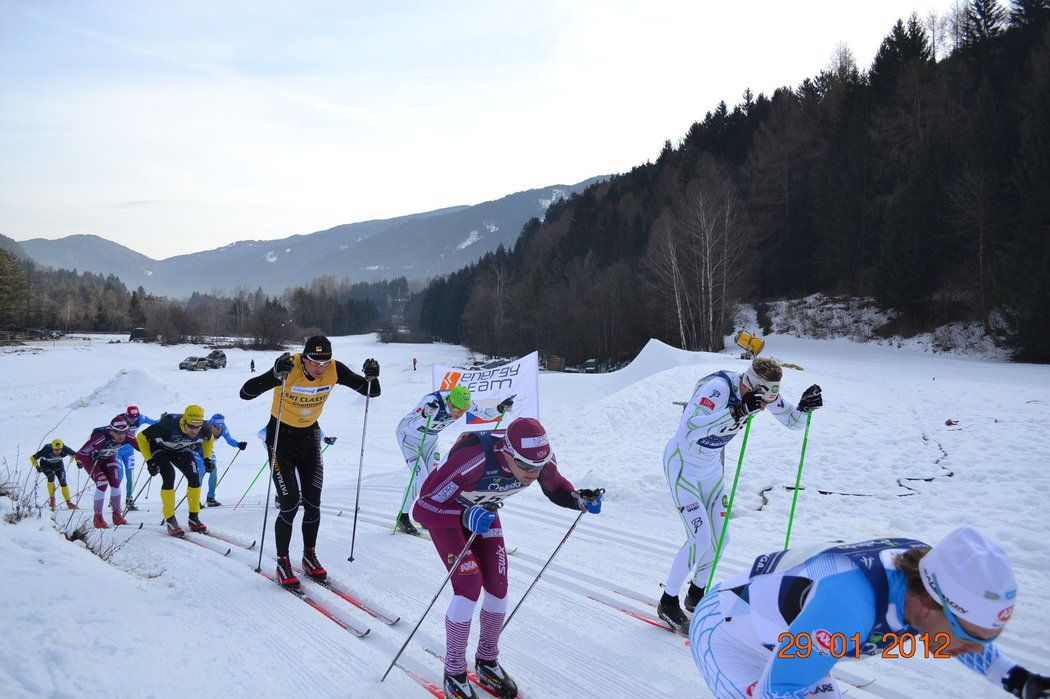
x=415, y=246
x=924, y=183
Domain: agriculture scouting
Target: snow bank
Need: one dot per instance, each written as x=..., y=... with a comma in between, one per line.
x=126, y=388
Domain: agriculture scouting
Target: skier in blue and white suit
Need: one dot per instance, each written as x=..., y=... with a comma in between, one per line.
x=694, y=467
x=747, y=635
x=126, y=455
x=217, y=426
x=417, y=435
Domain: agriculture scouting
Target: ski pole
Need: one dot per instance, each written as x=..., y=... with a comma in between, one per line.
x=360, y=466
x=538, y=575
x=76, y=504
x=729, y=507
x=144, y=486
x=451, y=570
x=217, y=484
x=798, y=480
x=269, y=483
x=250, y=485
x=227, y=469
x=419, y=458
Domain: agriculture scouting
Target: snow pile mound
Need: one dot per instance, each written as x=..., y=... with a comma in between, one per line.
x=654, y=358
x=128, y=388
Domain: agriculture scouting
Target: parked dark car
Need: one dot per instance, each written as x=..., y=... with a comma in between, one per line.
x=216, y=359
x=194, y=364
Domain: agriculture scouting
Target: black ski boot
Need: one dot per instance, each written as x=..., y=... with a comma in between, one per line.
x=493, y=677
x=196, y=525
x=285, y=575
x=457, y=687
x=672, y=614
x=692, y=598
x=131, y=506
x=173, y=526
x=212, y=502
x=313, y=567
x=404, y=525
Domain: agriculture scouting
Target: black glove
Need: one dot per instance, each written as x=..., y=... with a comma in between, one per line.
x=95, y=454
x=283, y=366
x=749, y=403
x=810, y=399
x=152, y=466
x=507, y=405
x=431, y=408
x=330, y=440
x=242, y=445
x=209, y=465
x=371, y=369
x=1025, y=684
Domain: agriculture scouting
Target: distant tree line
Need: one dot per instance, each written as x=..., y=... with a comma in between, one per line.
x=923, y=181
x=36, y=297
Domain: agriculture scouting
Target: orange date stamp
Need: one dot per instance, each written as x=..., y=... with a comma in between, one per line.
x=837, y=645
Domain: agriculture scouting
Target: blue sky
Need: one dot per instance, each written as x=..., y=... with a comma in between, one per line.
x=177, y=127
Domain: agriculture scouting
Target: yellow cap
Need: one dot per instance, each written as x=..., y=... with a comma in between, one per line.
x=57, y=444
x=193, y=415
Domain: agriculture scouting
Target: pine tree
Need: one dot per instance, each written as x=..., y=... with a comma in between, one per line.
x=1025, y=13
x=984, y=21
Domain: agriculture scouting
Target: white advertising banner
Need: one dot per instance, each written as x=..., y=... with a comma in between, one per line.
x=520, y=378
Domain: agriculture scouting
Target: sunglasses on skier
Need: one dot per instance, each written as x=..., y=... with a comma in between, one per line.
x=320, y=362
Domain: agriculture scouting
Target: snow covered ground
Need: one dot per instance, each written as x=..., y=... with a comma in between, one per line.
x=168, y=618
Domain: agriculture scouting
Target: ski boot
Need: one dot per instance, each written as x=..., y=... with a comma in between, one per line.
x=51, y=502
x=404, y=525
x=494, y=678
x=313, y=567
x=118, y=519
x=692, y=598
x=212, y=502
x=99, y=522
x=131, y=506
x=196, y=525
x=458, y=687
x=285, y=575
x=71, y=505
x=173, y=526
x=672, y=614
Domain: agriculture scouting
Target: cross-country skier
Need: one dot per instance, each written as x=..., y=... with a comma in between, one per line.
x=301, y=383
x=328, y=441
x=206, y=463
x=694, y=467
x=484, y=468
x=50, y=462
x=417, y=435
x=98, y=457
x=126, y=455
x=750, y=634
x=168, y=445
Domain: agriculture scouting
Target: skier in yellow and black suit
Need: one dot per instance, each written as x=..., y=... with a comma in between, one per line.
x=49, y=461
x=308, y=379
x=169, y=445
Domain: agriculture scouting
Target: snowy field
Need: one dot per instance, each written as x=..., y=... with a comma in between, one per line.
x=170, y=619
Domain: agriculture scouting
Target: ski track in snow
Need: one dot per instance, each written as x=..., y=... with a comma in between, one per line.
x=166, y=611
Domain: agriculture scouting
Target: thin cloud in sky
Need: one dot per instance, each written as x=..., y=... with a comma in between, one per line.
x=308, y=100
x=176, y=127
